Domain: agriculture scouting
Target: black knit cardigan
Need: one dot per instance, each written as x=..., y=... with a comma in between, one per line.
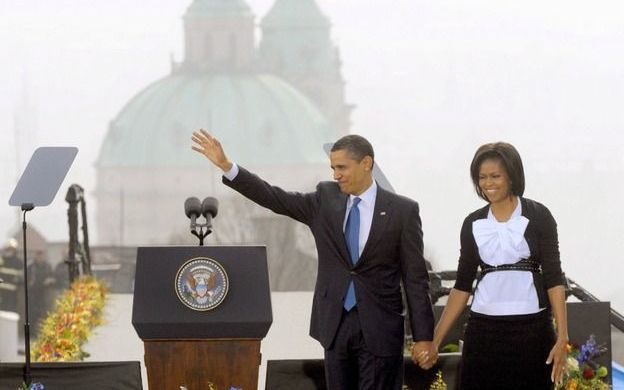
x=540, y=234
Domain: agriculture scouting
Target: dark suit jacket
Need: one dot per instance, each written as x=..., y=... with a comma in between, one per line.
x=393, y=252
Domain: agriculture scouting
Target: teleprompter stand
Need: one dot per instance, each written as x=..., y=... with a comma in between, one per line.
x=37, y=187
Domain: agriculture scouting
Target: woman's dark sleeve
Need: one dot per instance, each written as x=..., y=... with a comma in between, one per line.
x=468, y=259
x=549, y=250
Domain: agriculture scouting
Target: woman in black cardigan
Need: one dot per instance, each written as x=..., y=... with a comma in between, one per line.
x=510, y=341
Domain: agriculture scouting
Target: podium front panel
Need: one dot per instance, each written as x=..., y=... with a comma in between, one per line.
x=159, y=313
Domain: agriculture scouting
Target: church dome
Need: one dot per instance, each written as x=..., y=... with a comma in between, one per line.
x=218, y=7
x=259, y=118
x=298, y=14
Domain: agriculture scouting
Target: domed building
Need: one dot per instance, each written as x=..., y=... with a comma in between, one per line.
x=270, y=112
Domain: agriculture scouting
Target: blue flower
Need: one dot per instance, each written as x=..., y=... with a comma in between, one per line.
x=588, y=351
x=235, y=388
x=37, y=386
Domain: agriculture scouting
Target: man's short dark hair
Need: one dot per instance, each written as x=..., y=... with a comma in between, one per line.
x=509, y=158
x=357, y=146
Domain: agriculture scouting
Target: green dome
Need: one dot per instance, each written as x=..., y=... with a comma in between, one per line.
x=218, y=8
x=295, y=14
x=259, y=119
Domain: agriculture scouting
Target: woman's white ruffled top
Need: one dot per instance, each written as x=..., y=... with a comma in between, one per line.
x=504, y=292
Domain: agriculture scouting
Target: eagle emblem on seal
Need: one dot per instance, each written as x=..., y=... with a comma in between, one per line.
x=201, y=283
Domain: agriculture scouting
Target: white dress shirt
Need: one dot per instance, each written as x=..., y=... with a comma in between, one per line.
x=232, y=173
x=367, y=209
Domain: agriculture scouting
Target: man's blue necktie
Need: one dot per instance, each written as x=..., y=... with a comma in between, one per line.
x=352, y=234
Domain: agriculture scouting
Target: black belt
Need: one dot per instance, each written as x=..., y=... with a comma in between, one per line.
x=522, y=265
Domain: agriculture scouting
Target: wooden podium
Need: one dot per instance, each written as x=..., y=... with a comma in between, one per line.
x=201, y=313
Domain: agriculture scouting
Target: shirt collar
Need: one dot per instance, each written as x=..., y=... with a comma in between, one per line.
x=368, y=196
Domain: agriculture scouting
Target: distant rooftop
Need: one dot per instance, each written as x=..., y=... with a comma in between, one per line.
x=218, y=8
x=295, y=13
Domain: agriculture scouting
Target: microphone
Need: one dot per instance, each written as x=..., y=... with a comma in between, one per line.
x=192, y=209
x=210, y=206
x=209, y=209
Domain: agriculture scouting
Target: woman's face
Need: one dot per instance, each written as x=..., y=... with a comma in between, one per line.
x=494, y=180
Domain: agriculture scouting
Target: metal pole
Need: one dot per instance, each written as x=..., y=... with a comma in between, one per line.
x=27, y=377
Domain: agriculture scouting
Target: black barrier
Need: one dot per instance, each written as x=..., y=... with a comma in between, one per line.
x=75, y=376
x=309, y=374
x=591, y=318
x=584, y=319
x=295, y=374
x=415, y=378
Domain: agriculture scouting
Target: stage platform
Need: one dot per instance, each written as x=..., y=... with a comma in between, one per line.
x=287, y=339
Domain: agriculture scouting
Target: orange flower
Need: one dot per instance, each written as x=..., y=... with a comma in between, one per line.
x=66, y=328
x=572, y=384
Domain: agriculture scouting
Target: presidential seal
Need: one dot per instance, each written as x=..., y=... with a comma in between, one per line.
x=201, y=284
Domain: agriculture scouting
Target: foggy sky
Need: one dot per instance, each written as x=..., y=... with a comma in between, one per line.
x=431, y=81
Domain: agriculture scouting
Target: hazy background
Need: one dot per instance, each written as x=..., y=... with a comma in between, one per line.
x=431, y=81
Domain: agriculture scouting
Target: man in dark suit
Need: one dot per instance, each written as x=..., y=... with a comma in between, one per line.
x=368, y=240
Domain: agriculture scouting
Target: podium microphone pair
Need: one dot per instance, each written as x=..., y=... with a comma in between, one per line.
x=194, y=209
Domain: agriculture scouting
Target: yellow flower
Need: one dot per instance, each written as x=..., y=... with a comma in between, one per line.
x=572, y=384
x=572, y=364
x=69, y=325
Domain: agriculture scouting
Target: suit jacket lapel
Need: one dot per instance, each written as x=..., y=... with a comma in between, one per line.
x=339, y=209
x=381, y=216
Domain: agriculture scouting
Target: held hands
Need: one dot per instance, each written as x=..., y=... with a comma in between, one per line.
x=558, y=356
x=210, y=147
x=425, y=354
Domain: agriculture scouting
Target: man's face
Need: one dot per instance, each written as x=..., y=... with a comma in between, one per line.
x=353, y=176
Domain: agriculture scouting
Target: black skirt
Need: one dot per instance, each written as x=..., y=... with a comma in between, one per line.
x=507, y=352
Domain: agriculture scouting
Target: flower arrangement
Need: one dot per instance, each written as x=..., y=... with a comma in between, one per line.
x=34, y=386
x=582, y=372
x=450, y=348
x=68, y=326
x=437, y=384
